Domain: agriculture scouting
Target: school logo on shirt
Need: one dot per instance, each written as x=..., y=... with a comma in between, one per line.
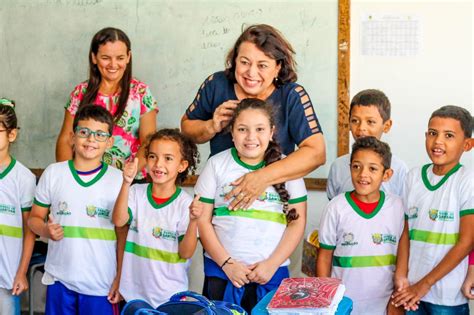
x=379, y=238
x=63, y=209
x=93, y=211
x=164, y=234
x=269, y=197
x=412, y=213
x=348, y=239
x=437, y=215
x=7, y=209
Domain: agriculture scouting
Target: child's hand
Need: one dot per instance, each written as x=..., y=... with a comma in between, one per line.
x=196, y=208
x=130, y=171
x=410, y=297
x=468, y=285
x=20, y=284
x=392, y=310
x=114, y=295
x=236, y=272
x=54, y=230
x=262, y=272
x=400, y=282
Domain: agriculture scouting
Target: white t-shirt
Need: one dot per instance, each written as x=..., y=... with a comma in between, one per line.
x=85, y=259
x=435, y=205
x=339, y=178
x=252, y=235
x=17, y=189
x=365, y=248
x=152, y=268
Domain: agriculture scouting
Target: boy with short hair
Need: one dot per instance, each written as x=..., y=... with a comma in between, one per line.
x=79, y=196
x=440, y=215
x=369, y=115
x=360, y=231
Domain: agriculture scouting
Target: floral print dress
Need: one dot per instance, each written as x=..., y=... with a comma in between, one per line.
x=126, y=130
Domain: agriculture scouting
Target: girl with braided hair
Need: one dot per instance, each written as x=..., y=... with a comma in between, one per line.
x=247, y=250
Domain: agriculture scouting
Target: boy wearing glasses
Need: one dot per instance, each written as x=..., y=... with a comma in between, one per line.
x=79, y=196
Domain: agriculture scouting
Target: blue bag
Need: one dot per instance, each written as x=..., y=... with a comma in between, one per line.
x=201, y=306
x=177, y=306
x=139, y=307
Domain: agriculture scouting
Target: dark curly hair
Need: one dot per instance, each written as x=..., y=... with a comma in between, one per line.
x=7, y=114
x=375, y=145
x=189, y=150
x=273, y=152
x=269, y=40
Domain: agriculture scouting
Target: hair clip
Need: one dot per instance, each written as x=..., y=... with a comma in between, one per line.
x=7, y=102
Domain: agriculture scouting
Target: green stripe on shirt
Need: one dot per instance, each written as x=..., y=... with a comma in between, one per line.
x=11, y=231
x=433, y=237
x=252, y=214
x=154, y=254
x=363, y=261
x=89, y=233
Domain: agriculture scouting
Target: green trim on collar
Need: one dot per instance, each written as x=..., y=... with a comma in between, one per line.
x=362, y=213
x=237, y=159
x=424, y=176
x=91, y=182
x=149, y=194
x=8, y=169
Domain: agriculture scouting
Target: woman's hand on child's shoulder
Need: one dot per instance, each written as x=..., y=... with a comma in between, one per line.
x=130, y=171
x=54, y=230
x=236, y=272
x=196, y=208
x=262, y=272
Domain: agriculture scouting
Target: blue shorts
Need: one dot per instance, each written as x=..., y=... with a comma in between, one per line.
x=62, y=301
x=426, y=308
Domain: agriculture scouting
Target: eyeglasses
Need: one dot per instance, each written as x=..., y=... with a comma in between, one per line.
x=84, y=132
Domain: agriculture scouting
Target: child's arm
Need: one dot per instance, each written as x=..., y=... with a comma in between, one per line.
x=114, y=295
x=264, y=270
x=235, y=270
x=120, y=215
x=324, y=262
x=400, y=279
x=20, y=283
x=37, y=224
x=411, y=295
x=187, y=246
x=468, y=285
